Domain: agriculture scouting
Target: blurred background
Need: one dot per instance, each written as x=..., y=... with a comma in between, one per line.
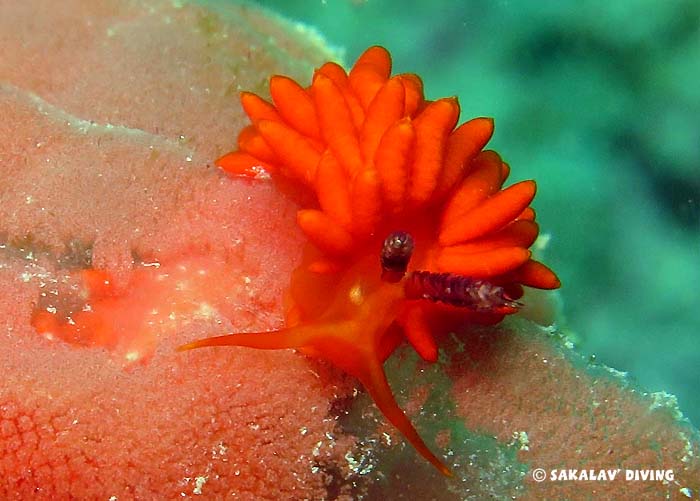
x=600, y=103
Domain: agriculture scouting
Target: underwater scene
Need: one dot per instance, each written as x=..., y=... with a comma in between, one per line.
x=349, y=249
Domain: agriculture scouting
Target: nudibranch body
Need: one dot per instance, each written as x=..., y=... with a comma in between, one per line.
x=377, y=157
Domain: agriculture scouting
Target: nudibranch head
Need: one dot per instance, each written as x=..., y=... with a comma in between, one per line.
x=379, y=159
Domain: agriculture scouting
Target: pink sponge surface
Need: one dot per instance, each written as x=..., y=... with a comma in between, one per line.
x=112, y=113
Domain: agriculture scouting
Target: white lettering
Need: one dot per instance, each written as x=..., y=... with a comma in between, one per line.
x=649, y=475
x=583, y=475
x=575, y=475
x=608, y=474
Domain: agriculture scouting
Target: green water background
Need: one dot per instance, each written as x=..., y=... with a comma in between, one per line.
x=600, y=103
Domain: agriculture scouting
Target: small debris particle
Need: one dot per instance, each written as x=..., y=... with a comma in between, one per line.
x=132, y=356
x=522, y=440
x=198, y=484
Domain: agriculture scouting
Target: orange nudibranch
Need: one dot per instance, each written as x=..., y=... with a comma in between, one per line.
x=377, y=157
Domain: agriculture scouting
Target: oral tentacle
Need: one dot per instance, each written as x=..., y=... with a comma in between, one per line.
x=374, y=380
x=293, y=337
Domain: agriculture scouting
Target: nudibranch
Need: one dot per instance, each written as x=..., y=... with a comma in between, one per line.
x=409, y=228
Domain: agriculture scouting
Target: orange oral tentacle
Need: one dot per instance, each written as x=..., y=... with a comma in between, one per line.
x=294, y=337
x=492, y=214
x=374, y=380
